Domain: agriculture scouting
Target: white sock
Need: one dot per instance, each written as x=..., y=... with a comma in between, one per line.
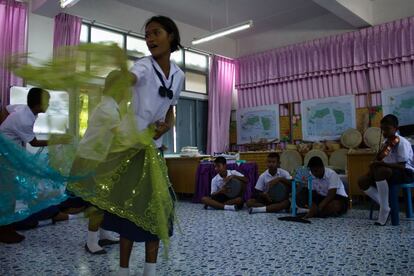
x=259, y=210
x=372, y=192
x=300, y=210
x=149, y=269
x=108, y=235
x=122, y=271
x=229, y=208
x=74, y=216
x=383, y=191
x=92, y=242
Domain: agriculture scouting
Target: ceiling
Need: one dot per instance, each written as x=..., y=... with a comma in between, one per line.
x=215, y=14
x=276, y=23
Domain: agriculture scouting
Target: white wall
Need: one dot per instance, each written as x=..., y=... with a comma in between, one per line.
x=40, y=37
x=387, y=10
x=322, y=26
x=362, y=8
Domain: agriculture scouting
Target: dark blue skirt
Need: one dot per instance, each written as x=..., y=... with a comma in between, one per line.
x=129, y=230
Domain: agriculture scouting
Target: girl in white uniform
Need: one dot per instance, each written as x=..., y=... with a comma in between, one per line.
x=157, y=83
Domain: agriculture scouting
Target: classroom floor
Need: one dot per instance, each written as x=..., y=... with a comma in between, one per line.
x=229, y=243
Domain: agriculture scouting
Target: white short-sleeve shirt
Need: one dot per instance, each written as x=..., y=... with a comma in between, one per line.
x=97, y=139
x=330, y=180
x=18, y=126
x=149, y=106
x=402, y=152
x=266, y=177
x=217, y=181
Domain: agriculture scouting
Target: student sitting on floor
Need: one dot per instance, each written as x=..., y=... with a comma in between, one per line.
x=272, y=176
x=218, y=198
x=329, y=198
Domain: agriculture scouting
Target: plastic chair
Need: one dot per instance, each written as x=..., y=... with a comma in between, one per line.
x=393, y=198
x=394, y=204
x=302, y=177
x=395, y=207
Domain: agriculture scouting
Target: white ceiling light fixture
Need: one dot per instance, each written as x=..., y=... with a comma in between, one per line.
x=67, y=3
x=223, y=32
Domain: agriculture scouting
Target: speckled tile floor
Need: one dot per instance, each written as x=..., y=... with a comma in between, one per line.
x=229, y=243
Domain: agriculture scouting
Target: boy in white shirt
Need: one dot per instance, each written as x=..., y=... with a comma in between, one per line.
x=218, y=198
x=18, y=127
x=274, y=175
x=394, y=165
x=329, y=198
x=94, y=148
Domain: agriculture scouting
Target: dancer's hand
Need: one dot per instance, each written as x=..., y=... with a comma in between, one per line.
x=160, y=129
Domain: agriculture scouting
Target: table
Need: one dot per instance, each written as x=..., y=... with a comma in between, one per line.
x=357, y=165
x=182, y=173
x=206, y=172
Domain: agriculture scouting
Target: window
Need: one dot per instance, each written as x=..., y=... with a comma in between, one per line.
x=84, y=35
x=196, y=61
x=103, y=35
x=196, y=82
x=137, y=47
x=177, y=57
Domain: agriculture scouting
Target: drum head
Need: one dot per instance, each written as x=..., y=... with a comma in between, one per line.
x=351, y=138
x=235, y=188
x=337, y=160
x=278, y=192
x=322, y=155
x=373, y=138
x=290, y=160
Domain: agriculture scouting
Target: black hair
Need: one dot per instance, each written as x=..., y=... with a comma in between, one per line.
x=391, y=120
x=315, y=162
x=170, y=27
x=220, y=160
x=273, y=155
x=35, y=96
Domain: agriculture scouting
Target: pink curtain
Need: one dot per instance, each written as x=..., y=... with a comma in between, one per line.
x=67, y=30
x=13, y=20
x=303, y=89
x=367, y=60
x=221, y=84
x=390, y=54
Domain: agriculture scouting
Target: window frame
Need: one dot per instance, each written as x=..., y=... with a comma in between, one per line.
x=183, y=66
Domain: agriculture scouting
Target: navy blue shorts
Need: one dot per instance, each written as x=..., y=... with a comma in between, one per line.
x=220, y=198
x=401, y=176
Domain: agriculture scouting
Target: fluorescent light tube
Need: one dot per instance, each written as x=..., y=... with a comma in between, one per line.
x=67, y=3
x=223, y=32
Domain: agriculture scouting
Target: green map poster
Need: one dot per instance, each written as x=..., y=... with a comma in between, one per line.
x=256, y=123
x=328, y=118
x=400, y=102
